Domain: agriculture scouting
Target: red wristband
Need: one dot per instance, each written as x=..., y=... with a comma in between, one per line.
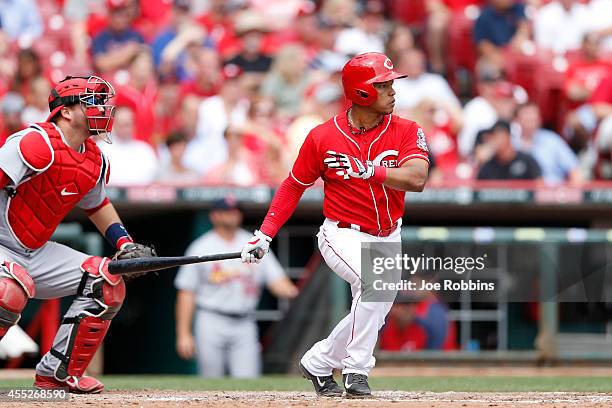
x=380, y=174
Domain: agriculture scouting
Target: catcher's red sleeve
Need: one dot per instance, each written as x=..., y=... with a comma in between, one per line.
x=283, y=205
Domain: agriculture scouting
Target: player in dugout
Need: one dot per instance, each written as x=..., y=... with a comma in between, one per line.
x=368, y=158
x=46, y=170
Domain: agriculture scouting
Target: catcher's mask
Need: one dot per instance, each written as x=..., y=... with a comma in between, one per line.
x=93, y=93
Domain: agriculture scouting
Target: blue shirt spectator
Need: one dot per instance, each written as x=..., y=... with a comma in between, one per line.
x=498, y=23
x=21, y=18
x=118, y=44
x=107, y=40
x=557, y=161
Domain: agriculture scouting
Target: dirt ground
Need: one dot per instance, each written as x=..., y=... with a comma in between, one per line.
x=164, y=399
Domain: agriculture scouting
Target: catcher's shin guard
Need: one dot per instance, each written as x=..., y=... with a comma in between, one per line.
x=15, y=290
x=90, y=326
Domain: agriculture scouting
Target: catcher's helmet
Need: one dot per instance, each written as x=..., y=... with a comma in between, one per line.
x=361, y=72
x=93, y=93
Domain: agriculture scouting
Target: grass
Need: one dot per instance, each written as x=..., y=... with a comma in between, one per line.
x=291, y=383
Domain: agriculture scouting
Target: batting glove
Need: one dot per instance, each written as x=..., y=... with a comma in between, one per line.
x=256, y=248
x=349, y=166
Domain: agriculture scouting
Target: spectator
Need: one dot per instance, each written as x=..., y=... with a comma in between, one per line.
x=340, y=13
x=586, y=71
x=21, y=20
x=325, y=102
x=507, y=163
x=557, y=161
x=583, y=122
x=367, y=34
x=400, y=40
x=502, y=23
x=251, y=28
x=240, y=166
x=37, y=107
x=8, y=65
x=561, y=25
x=207, y=77
x=29, y=67
x=219, y=299
x=497, y=100
x=118, y=44
x=287, y=81
x=133, y=162
x=215, y=114
x=303, y=31
x=441, y=139
x=173, y=171
x=170, y=47
x=11, y=106
x=418, y=321
x=263, y=137
x=219, y=25
x=419, y=85
x=328, y=59
x=139, y=91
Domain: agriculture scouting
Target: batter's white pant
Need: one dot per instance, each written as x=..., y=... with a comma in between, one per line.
x=225, y=345
x=350, y=345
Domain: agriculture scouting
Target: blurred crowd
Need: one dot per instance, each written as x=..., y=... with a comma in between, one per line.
x=225, y=91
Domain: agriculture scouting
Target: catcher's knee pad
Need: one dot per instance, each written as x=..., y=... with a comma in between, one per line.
x=15, y=290
x=90, y=326
x=107, y=290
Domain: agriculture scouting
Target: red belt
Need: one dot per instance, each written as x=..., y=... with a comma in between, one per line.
x=374, y=232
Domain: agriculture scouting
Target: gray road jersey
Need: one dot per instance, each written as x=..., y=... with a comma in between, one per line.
x=228, y=286
x=14, y=167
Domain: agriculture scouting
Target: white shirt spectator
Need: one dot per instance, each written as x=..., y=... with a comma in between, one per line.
x=478, y=114
x=353, y=41
x=560, y=30
x=132, y=162
x=209, y=149
x=411, y=91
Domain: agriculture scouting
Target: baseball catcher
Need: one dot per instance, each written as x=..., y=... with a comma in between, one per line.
x=45, y=171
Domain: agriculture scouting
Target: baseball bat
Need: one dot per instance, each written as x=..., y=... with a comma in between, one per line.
x=139, y=265
x=150, y=264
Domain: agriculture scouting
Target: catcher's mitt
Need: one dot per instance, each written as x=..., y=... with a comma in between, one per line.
x=132, y=251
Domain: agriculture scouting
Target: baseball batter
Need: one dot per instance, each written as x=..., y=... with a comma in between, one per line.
x=368, y=158
x=45, y=171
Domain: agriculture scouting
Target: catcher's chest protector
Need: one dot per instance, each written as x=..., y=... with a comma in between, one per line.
x=41, y=202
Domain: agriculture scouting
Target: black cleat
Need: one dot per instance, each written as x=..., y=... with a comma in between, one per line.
x=324, y=386
x=356, y=385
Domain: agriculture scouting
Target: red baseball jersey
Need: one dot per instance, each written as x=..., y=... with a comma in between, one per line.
x=366, y=203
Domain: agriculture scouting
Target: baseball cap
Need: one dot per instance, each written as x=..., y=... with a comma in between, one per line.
x=228, y=202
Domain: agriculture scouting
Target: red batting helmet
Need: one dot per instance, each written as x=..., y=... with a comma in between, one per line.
x=361, y=73
x=93, y=93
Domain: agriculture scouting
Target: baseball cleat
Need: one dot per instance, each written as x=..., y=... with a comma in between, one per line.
x=324, y=386
x=75, y=385
x=356, y=385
